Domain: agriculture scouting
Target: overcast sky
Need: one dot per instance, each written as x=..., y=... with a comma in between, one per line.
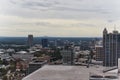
x=63, y=18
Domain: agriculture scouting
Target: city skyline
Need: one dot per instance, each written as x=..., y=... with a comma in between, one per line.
x=58, y=18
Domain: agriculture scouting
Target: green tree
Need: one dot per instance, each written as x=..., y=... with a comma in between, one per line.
x=56, y=54
x=3, y=71
x=4, y=78
x=91, y=54
x=1, y=61
x=38, y=54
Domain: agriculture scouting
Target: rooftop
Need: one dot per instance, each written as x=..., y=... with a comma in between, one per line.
x=37, y=62
x=61, y=72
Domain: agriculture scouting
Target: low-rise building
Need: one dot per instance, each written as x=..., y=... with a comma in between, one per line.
x=27, y=56
x=34, y=65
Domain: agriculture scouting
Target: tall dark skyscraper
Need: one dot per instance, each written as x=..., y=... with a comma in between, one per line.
x=30, y=40
x=111, y=47
x=44, y=42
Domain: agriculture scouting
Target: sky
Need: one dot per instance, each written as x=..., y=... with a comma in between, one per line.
x=58, y=18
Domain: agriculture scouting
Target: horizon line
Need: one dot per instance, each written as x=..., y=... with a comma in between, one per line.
x=55, y=36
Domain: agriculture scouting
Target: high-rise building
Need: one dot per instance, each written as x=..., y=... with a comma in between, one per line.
x=67, y=57
x=44, y=42
x=111, y=47
x=30, y=40
x=59, y=43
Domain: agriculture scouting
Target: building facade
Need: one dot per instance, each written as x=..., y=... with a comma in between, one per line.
x=33, y=66
x=30, y=40
x=111, y=47
x=67, y=57
x=44, y=42
x=99, y=53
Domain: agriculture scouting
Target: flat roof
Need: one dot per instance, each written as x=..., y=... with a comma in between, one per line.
x=61, y=72
x=39, y=62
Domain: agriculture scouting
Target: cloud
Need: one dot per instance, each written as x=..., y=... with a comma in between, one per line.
x=62, y=16
x=31, y=23
x=63, y=9
x=34, y=3
x=84, y=25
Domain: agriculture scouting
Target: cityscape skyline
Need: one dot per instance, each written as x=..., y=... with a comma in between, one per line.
x=59, y=39
x=60, y=58
x=69, y=18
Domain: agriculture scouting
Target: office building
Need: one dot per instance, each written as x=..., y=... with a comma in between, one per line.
x=44, y=43
x=59, y=43
x=30, y=40
x=111, y=47
x=67, y=57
